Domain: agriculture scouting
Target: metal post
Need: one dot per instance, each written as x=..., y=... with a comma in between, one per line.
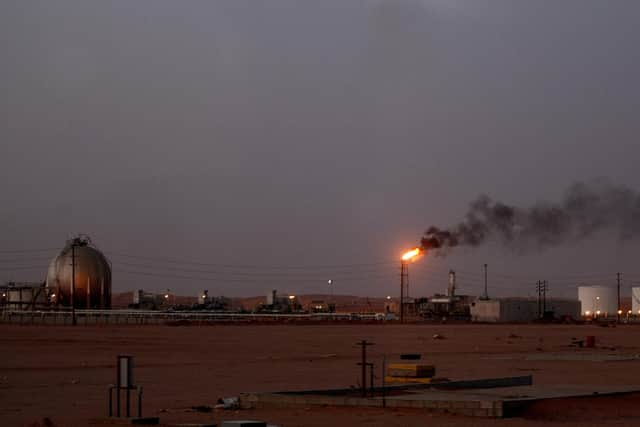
x=140, y=402
x=371, y=377
x=618, y=310
x=364, y=345
x=110, y=400
x=404, y=284
x=73, y=283
x=384, y=390
x=118, y=385
x=364, y=368
x=128, y=394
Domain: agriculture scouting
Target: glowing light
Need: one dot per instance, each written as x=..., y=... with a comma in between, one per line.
x=587, y=313
x=619, y=311
x=292, y=297
x=166, y=296
x=598, y=312
x=388, y=296
x=410, y=255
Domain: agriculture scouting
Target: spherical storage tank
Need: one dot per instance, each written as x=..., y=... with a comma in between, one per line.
x=594, y=299
x=91, y=288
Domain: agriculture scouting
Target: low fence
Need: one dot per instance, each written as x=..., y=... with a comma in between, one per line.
x=144, y=317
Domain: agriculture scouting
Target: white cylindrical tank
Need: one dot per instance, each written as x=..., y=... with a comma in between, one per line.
x=601, y=301
x=635, y=300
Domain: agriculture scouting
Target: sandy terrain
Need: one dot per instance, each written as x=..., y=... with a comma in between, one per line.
x=63, y=372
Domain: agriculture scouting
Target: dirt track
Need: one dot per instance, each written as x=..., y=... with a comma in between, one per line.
x=63, y=372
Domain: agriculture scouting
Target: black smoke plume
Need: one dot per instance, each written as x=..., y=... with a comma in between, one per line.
x=587, y=209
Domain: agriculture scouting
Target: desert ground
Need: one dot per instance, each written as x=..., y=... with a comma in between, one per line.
x=62, y=373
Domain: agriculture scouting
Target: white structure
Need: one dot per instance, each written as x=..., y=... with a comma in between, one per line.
x=635, y=300
x=520, y=310
x=599, y=301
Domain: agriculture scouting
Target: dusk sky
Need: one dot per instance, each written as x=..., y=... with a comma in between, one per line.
x=262, y=145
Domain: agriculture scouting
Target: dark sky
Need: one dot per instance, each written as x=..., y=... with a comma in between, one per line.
x=265, y=141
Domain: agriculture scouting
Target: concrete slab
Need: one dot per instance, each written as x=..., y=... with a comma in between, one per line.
x=586, y=357
x=571, y=356
x=244, y=423
x=492, y=402
x=145, y=421
x=193, y=425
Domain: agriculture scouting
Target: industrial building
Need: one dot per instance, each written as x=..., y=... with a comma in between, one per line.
x=279, y=304
x=635, y=300
x=320, y=306
x=144, y=300
x=207, y=302
x=449, y=305
x=522, y=310
x=23, y=295
x=598, y=301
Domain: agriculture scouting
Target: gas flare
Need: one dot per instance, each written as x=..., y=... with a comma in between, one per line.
x=409, y=255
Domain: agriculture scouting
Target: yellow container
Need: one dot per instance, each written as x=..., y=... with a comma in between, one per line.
x=411, y=370
x=389, y=380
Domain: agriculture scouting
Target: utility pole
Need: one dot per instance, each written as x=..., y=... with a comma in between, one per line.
x=539, y=289
x=544, y=297
x=618, y=310
x=486, y=292
x=73, y=283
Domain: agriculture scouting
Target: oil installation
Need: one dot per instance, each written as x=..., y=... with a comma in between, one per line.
x=80, y=276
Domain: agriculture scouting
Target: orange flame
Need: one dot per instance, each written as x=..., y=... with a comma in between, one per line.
x=411, y=254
